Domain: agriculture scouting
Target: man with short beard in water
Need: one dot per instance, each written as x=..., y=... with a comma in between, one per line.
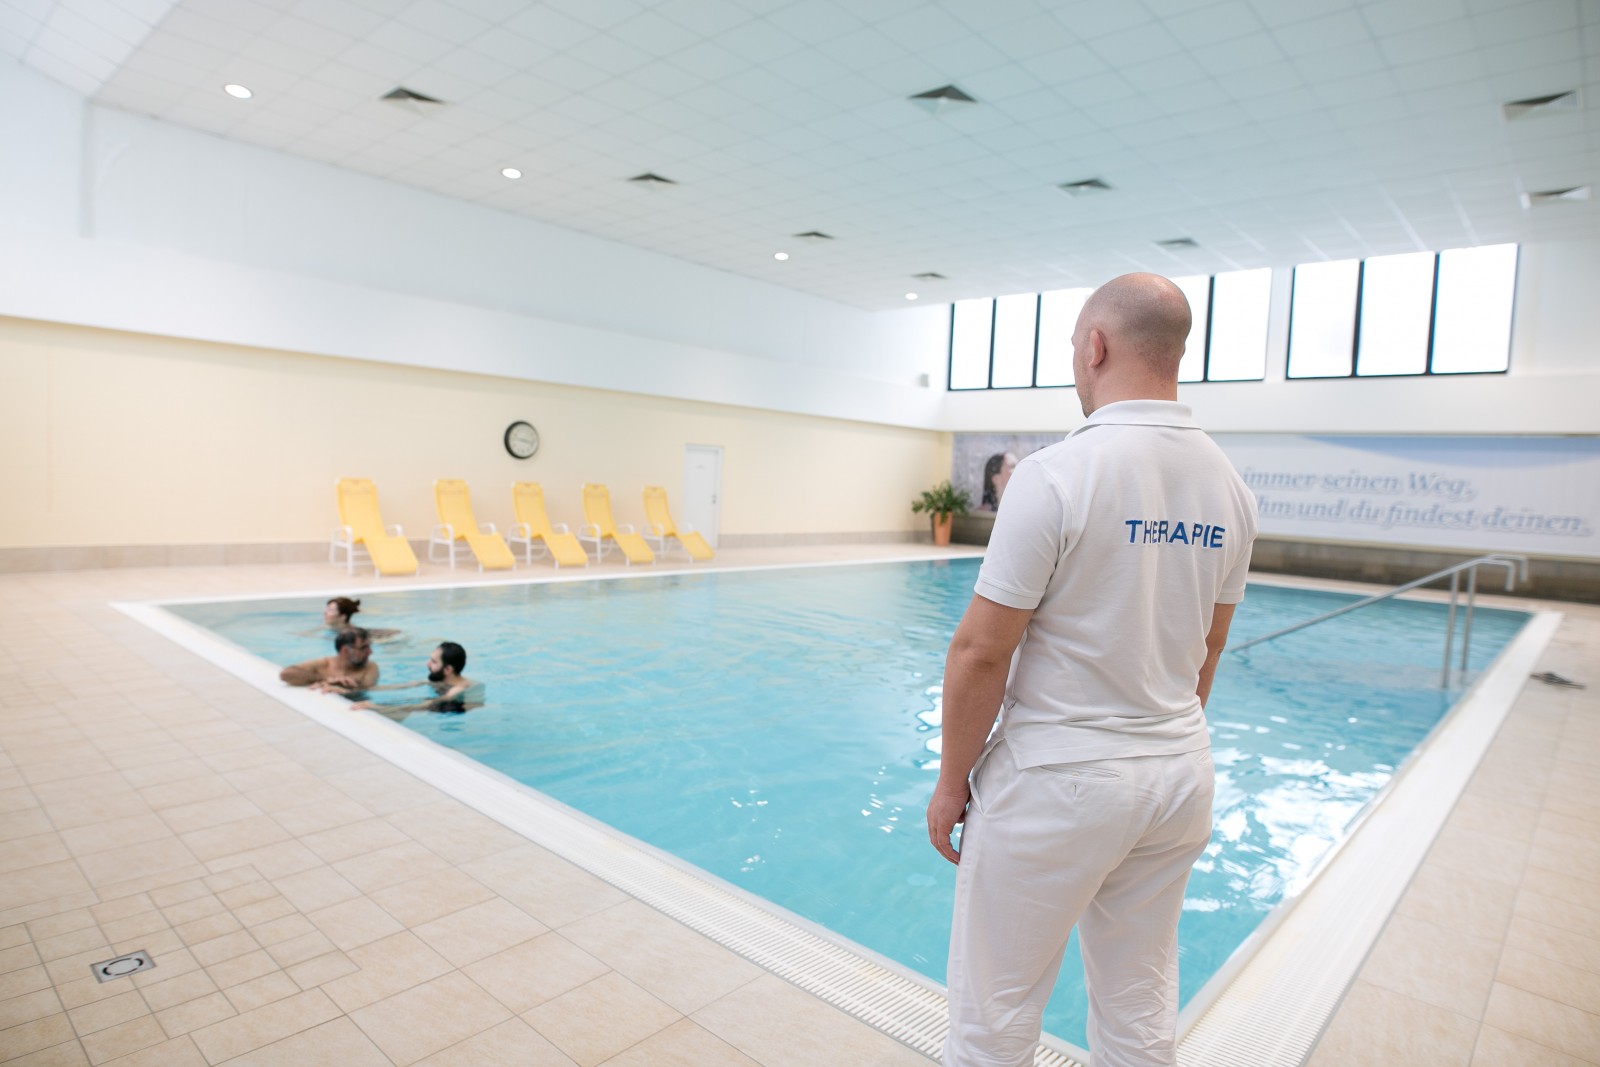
x=453, y=691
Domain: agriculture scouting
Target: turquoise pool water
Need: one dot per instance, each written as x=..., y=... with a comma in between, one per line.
x=780, y=729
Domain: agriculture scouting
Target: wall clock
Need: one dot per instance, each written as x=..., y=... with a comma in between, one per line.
x=522, y=440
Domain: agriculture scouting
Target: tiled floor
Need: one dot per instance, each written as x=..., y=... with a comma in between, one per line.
x=307, y=903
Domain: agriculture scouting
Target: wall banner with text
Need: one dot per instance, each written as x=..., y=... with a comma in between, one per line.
x=1536, y=495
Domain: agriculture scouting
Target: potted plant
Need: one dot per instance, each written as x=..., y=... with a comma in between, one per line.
x=942, y=503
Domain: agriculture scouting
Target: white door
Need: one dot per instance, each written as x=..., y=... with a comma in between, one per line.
x=702, y=490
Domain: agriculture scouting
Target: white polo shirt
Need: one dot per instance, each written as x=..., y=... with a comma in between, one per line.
x=1122, y=537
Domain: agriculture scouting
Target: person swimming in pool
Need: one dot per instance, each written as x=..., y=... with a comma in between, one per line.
x=349, y=670
x=452, y=691
x=338, y=611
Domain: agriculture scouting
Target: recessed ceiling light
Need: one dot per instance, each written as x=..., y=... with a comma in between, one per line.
x=237, y=90
x=945, y=98
x=1087, y=187
x=911, y=296
x=1179, y=244
x=780, y=255
x=511, y=172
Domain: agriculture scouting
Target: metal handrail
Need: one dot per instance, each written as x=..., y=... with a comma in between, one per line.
x=1516, y=570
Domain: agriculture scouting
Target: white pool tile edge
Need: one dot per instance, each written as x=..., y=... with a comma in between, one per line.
x=1272, y=1005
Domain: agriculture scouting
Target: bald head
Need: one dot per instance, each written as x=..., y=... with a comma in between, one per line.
x=1145, y=314
x=1129, y=341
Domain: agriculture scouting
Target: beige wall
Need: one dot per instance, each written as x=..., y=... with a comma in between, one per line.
x=123, y=439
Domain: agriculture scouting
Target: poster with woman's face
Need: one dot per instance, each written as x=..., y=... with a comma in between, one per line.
x=982, y=463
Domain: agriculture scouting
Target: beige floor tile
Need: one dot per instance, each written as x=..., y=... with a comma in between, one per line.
x=36, y=1034
x=1545, y=1021
x=385, y=867
x=229, y=838
x=149, y=858
x=430, y=1017
x=170, y=960
x=243, y=968
x=284, y=928
x=178, y=1052
x=25, y=823
x=191, y=1015
x=299, y=949
x=66, y=1054
x=432, y=896
x=777, y=1025
x=209, y=927
x=123, y=1039
x=264, y=1026
x=354, y=923
x=26, y=980
x=1551, y=979
x=239, y=897
x=600, y=1019
x=112, y=1011
x=23, y=852
x=470, y=934
x=1474, y=852
x=321, y=970
x=79, y=941
x=545, y=886
x=685, y=969
x=354, y=839
x=337, y=1042
x=305, y=819
x=176, y=893
x=1562, y=914
x=390, y=966
x=316, y=888
x=120, y=932
x=1554, y=943
x=1496, y=1048
x=263, y=911
x=206, y=786
x=511, y=1044
x=683, y=1044
x=203, y=905
x=117, y=833
x=225, y=947
x=76, y=992
x=14, y=959
x=180, y=990
x=55, y=925
x=275, y=985
x=48, y=883
x=527, y=975
x=27, y=1007
x=271, y=861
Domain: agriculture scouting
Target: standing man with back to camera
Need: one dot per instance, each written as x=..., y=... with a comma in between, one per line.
x=1099, y=615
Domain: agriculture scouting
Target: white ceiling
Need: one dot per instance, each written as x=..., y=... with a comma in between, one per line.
x=1271, y=132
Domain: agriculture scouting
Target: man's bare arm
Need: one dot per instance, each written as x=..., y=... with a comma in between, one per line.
x=307, y=673
x=1216, y=641
x=974, y=685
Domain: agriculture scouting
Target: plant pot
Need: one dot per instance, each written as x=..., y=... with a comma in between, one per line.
x=941, y=528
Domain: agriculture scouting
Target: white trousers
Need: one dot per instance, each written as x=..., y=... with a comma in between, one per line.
x=1105, y=844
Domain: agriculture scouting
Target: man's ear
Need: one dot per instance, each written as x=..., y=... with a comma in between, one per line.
x=1097, y=347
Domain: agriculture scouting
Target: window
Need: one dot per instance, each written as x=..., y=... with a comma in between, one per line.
x=1023, y=341
x=1241, y=301
x=1417, y=313
x=1016, y=318
x=971, y=330
x=1058, y=317
x=1472, y=334
x=1322, y=316
x=1396, y=314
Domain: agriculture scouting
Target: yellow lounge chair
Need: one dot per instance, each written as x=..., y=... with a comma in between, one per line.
x=659, y=526
x=602, y=528
x=457, y=523
x=527, y=503
x=361, y=527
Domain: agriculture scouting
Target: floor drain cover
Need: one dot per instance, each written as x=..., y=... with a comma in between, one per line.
x=122, y=966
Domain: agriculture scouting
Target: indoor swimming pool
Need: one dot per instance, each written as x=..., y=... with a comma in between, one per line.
x=779, y=729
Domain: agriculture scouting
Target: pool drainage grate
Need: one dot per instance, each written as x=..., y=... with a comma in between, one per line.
x=122, y=966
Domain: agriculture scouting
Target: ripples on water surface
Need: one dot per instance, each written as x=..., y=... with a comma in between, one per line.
x=780, y=729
